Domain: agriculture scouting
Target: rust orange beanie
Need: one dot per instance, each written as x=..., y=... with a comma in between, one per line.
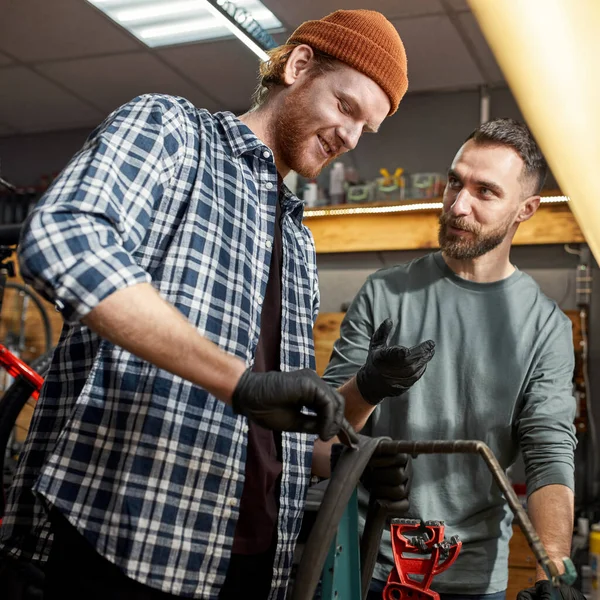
x=364, y=40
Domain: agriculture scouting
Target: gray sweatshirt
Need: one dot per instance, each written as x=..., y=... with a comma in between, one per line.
x=502, y=373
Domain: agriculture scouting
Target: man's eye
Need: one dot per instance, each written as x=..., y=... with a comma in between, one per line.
x=453, y=182
x=344, y=107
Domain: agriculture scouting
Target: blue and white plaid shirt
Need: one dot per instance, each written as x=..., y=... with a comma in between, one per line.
x=146, y=465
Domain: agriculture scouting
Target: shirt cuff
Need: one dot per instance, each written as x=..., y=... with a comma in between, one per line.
x=93, y=278
x=540, y=481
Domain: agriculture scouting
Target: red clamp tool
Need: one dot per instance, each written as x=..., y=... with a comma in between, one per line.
x=420, y=553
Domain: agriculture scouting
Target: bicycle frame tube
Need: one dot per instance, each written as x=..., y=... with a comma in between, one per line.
x=15, y=367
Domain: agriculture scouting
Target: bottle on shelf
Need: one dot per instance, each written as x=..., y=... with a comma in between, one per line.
x=311, y=194
x=337, y=178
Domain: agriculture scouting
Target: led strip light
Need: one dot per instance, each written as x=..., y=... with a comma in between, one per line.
x=370, y=210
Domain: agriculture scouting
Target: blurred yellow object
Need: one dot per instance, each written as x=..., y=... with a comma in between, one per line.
x=398, y=177
x=549, y=51
x=390, y=180
x=387, y=178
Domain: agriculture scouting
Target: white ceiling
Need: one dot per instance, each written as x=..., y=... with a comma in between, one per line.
x=65, y=65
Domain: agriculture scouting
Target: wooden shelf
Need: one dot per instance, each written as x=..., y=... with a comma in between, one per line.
x=417, y=228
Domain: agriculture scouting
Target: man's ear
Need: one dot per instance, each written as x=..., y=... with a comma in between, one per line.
x=297, y=64
x=528, y=208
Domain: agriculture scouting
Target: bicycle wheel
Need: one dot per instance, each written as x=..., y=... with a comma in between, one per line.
x=25, y=327
x=11, y=405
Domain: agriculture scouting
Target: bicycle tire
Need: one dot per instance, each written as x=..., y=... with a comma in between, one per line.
x=47, y=326
x=11, y=404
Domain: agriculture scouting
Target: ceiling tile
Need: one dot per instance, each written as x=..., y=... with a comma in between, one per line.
x=471, y=28
x=80, y=49
x=437, y=57
x=294, y=13
x=5, y=60
x=227, y=69
x=39, y=30
x=110, y=81
x=28, y=102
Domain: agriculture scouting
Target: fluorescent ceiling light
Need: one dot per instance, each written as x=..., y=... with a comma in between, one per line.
x=169, y=22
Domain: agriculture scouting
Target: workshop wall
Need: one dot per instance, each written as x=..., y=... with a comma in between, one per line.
x=423, y=136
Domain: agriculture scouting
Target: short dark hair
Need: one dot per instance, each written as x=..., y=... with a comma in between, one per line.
x=516, y=135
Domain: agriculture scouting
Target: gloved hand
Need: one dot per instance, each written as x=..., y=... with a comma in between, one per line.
x=391, y=370
x=275, y=400
x=387, y=479
x=543, y=590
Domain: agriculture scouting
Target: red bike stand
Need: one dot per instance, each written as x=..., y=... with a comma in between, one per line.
x=420, y=553
x=15, y=367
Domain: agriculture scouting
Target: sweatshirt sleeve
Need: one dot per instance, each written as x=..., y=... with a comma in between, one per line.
x=351, y=349
x=545, y=423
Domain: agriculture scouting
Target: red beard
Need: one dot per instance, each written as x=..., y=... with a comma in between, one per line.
x=293, y=135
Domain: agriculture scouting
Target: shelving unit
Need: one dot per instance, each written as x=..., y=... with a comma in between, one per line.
x=414, y=225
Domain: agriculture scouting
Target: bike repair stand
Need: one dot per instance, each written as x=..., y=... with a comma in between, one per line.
x=341, y=573
x=332, y=556
x=420, y=553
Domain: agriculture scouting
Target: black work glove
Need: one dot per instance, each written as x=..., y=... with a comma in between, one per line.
x=543, y=590
x=275, y=401
x=391, y=370
x=387, y=478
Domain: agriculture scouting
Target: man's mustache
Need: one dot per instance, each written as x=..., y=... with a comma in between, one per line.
x=458, y=224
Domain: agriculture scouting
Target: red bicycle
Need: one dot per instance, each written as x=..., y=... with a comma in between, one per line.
x=28, y=379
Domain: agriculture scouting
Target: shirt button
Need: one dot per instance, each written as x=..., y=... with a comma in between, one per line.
x=266, y=154
x=268, y=243
x=269, y=185
x=231, y=501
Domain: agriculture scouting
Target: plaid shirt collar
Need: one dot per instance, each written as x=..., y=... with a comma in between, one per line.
x=242, y=140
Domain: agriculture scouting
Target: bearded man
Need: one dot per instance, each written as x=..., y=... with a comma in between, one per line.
x=171, y=451
x=502, y=372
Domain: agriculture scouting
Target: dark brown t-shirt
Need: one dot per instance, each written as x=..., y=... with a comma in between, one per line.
x=255, y=530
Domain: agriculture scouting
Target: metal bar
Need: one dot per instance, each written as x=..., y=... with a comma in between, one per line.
x=484, y=104
x=477, y=447
x=346, y=476
x=8, y=186
x=15, y=367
